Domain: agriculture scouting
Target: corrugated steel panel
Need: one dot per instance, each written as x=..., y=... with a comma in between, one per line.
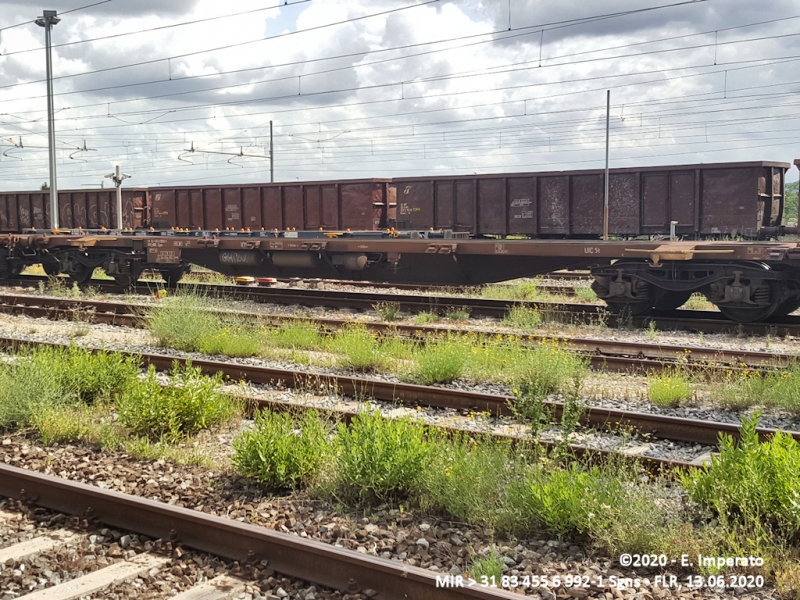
x=355, y=204
x=77, y=209
x=708, y=200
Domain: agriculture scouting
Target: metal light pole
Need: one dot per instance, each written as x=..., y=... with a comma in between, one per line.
x=47, y=20
x=118, y=178
x=605, y=195
x=271, y=156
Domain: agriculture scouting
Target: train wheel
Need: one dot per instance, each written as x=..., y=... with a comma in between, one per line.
x=747, y=315
x=6, y=268
x=630, y=309
x=753, y=313
x=51, y=269
x=81, y=274
x=172, y=276
x=787, y=306
x=672, y=300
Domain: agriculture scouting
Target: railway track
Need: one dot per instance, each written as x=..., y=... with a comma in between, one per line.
x=706, y=321
x=652, y=424
x=302, y=558
x=564, y=290
x=611, y=355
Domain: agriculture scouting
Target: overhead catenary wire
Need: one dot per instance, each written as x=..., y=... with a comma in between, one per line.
x=228, y=46
x=116, y=35
x=236, y=115
x=72, y=10
x=724, y=67
x=526, y=30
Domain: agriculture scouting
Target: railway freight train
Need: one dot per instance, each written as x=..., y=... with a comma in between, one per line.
x=443, y=230
x=705, y=201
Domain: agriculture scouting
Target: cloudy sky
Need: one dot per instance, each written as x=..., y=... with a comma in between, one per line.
x=384, y=88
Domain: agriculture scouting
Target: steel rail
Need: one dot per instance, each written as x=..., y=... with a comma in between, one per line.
x=707, y=321
x=613, y=355
x=654, y=464
x=662, y=426
x=303, y=558
x=565, y=290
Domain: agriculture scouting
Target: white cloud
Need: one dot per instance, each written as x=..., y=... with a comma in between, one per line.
x=345, y=103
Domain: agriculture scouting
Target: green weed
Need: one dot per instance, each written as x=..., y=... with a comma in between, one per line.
x=379, y=460
x=425, y=318
x=698, y=302
x=465, y=479
x=297, y=335
x=561, y=501
x=388, y=311
x=359, y=348
x=668, y=388
x=44, y=378
x=188, y=404
x=283, y=450
x=441, y=360
x=79, y=423
x=548, y=369
x=96, y=425
x=487, y=569
x=585, y=293
x=523, y=317
x=231, y=337
x=458, y=314
x=183, y=323
x=778, y=389
x=522, y=290
x=752, y=482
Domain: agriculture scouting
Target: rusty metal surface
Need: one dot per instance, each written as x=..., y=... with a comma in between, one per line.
x=291, y=555
x=725, y=199
x=77, y=209
x=330, y=205
x=711, y=200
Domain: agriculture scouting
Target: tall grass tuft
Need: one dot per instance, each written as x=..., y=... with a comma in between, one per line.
x=563, y=501
x=487, y=569
x=359, y=348
x=231, y=336
x=45, y=378
x=775, y=389
x=297, y=335
x=283, y=450
x=750, y=481
x=584, y=293
x=669, y=388
x=189, y=403
x=378, y=460
x=441, y=360
x=523, y=317
x=520, y=290
x=182, y=322
x=548, y=369
x=466, y=478
x=185, y=323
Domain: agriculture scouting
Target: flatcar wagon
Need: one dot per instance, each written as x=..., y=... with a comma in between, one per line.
x=446, y=230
